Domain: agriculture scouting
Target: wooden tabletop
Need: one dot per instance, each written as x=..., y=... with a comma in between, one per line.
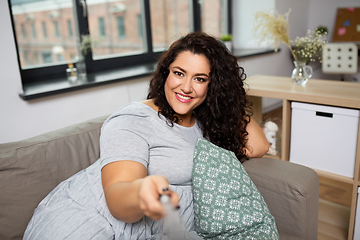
x=318, y=91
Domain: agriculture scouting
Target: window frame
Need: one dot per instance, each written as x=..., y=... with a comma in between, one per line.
x=44, y=73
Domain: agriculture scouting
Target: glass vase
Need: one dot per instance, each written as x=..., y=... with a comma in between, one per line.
x=301, y=73
x=81, y=68
x=71, y=74
x=229, y=45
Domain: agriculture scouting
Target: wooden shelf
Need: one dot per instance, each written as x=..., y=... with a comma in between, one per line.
x=333, y=221
x=335, y=177
x=326, y=92
x=333, y=188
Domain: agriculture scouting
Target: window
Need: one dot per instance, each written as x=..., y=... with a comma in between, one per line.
x=23, y=31
x=33, y=30
x=56, y=28
x=70, y=30
x=46, y=57
x=214, y=17
x=44, y=29
x=26, y=58
x=169, y=20
x=60, y=57
x=121, y=26
x=101, y=27
x=120, y=33
x=140, y=26
x=36, y=57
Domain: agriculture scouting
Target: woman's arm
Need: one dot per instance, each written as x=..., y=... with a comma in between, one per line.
x=130, y=193
x=257, y=144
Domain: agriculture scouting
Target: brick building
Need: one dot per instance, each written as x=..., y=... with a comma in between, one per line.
x=115, y=26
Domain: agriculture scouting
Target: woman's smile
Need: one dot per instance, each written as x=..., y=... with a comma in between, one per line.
x=186, y=85
x=183, y=98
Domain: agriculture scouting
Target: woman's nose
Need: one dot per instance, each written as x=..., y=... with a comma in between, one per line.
x=186, y=85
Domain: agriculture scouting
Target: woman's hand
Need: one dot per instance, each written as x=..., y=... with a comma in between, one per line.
x=130, y=194
x=257, y=144
x=150, y=190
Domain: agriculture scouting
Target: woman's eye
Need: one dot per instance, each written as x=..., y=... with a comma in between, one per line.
x=179, y=74
x=199, y=79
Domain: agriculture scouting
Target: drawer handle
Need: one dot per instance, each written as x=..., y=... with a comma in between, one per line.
x=324, y=114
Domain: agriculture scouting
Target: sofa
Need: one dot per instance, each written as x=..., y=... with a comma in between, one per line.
x=31, y=168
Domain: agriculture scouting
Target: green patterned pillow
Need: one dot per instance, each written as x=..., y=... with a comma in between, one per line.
x=227, y=204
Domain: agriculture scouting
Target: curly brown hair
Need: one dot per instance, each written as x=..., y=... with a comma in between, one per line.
x=225, y=113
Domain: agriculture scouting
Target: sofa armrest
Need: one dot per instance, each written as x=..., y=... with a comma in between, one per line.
x=291, y=192
x=31, y=168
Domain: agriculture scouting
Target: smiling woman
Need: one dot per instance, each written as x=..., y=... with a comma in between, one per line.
x=204, y=55
x=147, y=149
x=186, y=85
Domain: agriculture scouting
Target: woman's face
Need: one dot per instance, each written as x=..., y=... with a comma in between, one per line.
x=187, y=84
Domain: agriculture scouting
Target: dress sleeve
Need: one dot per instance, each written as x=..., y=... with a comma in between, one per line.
x=123, y=138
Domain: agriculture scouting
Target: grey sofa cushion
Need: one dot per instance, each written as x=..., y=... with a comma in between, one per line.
x=30, y=169
x=291, y=192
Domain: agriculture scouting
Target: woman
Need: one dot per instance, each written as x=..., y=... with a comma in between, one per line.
x=147, y=148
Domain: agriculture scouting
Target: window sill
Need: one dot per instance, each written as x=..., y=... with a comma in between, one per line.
x=61, y=85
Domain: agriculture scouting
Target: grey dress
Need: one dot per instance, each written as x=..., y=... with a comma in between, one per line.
x=76, y=208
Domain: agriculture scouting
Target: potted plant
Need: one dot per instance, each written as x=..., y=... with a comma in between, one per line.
x=227, y=40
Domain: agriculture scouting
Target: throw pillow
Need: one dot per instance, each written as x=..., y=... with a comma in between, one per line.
x=227, y=204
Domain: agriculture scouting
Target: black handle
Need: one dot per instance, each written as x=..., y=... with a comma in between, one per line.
x=324, y=114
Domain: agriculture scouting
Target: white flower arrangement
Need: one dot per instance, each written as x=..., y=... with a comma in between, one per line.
x=308, y=48
x=85, y=45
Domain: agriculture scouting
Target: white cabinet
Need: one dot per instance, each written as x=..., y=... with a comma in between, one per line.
x=324, y=137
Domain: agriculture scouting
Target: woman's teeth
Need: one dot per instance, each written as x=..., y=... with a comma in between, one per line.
x=183, y=97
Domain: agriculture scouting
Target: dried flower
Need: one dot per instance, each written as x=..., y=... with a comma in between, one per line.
x=269, y=25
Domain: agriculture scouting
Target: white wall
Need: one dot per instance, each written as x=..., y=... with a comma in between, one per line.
x=21, y=119
x=243, y=16
x=328, y=20
x=277, y=64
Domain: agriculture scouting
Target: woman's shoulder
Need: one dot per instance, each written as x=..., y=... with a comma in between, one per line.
x=135, y=112
x=138, y=109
